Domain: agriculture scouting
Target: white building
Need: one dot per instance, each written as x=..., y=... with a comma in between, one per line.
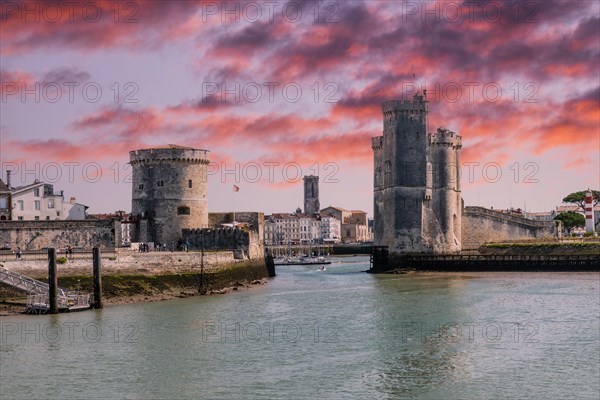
x=331, y=230
x=38, y=202
x=298, y=228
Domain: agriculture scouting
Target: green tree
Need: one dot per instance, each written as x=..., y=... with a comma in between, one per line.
x=570, y=220
x=579, y=198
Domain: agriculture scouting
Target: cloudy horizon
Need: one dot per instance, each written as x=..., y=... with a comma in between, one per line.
x=281, y=89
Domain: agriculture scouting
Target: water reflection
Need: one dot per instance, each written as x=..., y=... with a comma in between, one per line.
x=338, y=333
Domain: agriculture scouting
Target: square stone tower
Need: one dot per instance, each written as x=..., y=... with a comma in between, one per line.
x=311, y=195
x=417, y=201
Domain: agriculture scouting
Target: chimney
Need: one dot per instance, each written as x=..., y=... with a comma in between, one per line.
x=73, y=200
x=8, y=171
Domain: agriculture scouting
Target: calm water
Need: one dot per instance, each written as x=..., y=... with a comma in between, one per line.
x=307, y=334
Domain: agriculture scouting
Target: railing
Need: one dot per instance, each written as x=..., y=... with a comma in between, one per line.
x=40, y=303
x=575, y=262
x=42, y=254
x=22, y=282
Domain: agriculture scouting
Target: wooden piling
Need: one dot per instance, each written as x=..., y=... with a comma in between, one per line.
x=270, y=262
x=97, y=279
x=52, y=281
x=201, y=288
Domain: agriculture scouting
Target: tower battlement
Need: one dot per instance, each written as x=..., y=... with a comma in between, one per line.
x=377, y=143
x=418, y=105
x=446, y=137
x=169, y=154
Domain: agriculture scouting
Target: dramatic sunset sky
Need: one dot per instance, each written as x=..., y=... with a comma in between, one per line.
x=83, y=83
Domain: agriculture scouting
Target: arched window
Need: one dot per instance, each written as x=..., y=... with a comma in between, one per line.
x=190, y=183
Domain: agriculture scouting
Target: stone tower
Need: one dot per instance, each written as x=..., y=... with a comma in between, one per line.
x=417, y=201
x=169, y=192
x=311, y=195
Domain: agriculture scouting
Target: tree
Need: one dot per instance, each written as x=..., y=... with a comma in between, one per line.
x=570, y=220
x=579, y=198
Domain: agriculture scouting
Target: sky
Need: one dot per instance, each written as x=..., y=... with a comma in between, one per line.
x=280, y=89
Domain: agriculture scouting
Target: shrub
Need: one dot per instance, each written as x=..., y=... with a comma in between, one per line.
x=61, y=260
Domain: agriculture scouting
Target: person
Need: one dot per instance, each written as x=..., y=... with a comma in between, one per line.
x=19, y=253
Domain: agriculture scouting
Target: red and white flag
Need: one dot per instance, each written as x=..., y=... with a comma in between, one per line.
x=236, y=188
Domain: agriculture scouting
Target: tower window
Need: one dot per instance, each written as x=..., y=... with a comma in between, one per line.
x=190, y=183
x=183, y=210
x=141, y=186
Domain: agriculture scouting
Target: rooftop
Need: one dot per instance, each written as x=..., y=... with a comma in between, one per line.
x=336, y=208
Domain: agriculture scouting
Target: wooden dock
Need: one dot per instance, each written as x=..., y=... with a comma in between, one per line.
x=473, y=263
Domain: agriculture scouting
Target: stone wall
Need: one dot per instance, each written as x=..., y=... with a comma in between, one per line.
x=255, y=220
x=34, y=235
x=243, y=243
x=126, y=262
x=481, y=225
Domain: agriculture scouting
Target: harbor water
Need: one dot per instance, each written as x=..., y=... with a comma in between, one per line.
x=333, y=334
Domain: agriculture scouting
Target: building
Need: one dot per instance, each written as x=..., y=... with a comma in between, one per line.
x=37, y=202
x=356, y=217
x=417, y=198
x=354, y=224
x=5, y=208
x=355, y=233
x=127, y=222
x=341, y=214
x=282, y=229
x=298, y=228
x=311, y=195
x=169, y=192
x=550, y=215
x=331, y=230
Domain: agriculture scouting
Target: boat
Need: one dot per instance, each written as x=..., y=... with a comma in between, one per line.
x=302, y=260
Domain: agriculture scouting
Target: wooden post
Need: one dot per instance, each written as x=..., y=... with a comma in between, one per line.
x=201, y=289
x=97, y=279
x=52, y=281
x=270, y=263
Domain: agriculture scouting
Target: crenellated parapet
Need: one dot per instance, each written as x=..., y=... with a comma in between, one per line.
x=445, y=138
x=377, y=143
x=169, y=154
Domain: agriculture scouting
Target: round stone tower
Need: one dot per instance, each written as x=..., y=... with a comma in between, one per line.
x=444, y=229
x=169, y=191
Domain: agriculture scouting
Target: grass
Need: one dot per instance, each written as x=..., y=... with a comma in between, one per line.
x=541, y=248
x=541, y=244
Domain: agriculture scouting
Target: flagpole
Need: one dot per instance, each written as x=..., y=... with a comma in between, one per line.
x=234, y=208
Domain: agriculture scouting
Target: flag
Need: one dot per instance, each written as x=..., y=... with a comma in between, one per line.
x=236, y=188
